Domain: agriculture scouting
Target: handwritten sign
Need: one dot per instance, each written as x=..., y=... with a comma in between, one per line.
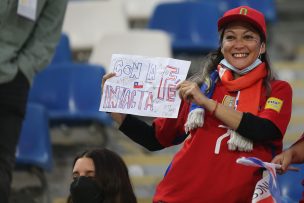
x=144, y=86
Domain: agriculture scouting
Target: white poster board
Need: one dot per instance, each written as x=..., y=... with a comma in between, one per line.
x=144, y=86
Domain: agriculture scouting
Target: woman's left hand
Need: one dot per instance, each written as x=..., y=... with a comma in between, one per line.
x=191, y=92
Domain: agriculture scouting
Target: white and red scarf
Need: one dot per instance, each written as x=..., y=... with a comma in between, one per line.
x=249, y=87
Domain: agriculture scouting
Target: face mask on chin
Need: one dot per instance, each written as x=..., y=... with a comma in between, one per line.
x=243, y=71
x=85, y=190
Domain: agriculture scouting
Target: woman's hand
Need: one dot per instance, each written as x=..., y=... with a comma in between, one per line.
x=191, y=92
x=293, y=155
x=105, y=77
x=284, y=159
x=118, y=117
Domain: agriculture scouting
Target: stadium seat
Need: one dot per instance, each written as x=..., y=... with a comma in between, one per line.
x=291, y=185
x=86, y=21
x=34, y=152
x=192, y=26
x=63, y=52
x=142, y=9
x=152, y=43
x=223, y=5
x=34, y=145
x=267, y=7
x=70, y=92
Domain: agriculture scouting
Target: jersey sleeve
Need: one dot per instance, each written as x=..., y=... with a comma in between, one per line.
x=278, y=105
x=170, y=131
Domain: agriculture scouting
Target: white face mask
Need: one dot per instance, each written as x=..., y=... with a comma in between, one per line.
x=244, y=71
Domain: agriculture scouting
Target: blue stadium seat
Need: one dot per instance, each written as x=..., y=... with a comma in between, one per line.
x=34, y=153
x=70, y=93
x=223, y=5
x=267, y=7
x=291, y=184
x=63, y=52
x=34, y=146
x=191, y=25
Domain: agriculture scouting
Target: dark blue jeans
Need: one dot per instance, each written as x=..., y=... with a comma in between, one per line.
x=13, y=98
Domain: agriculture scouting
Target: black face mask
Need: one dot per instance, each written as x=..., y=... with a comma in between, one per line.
x=85, y=190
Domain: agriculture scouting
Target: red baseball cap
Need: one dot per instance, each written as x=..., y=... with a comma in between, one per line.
x=244, y=13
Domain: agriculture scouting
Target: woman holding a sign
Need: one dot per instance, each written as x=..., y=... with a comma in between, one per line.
x=233, y=108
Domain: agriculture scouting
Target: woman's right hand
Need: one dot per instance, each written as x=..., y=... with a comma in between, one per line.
x=190, y=91
x=118, y=117
x=105, y=77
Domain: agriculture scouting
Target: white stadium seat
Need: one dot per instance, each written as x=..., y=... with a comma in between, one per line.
x=136, y=42
x=86, y=21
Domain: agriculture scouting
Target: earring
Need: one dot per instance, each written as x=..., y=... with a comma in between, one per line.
x=260, y=52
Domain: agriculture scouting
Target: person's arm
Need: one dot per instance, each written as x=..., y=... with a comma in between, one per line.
x=39, y=47
x=189, y=91
x=258, y=129
x=140, y=132
x=163, y=133
x=268, y=125
x=246, y=124
x=298, y=152
x=272, y=121
x=293, y=155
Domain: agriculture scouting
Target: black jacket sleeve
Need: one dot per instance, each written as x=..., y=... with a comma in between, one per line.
x=258, y=129
x=140, y=132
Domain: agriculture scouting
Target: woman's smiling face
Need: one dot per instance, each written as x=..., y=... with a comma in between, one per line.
x=241, y=44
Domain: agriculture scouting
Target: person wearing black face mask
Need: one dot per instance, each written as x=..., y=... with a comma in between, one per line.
x=85, y=189
x=100, y=176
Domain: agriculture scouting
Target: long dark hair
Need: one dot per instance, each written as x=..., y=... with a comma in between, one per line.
x=211, y=61
x=111, y=174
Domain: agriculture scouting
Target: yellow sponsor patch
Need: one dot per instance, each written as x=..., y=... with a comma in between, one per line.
x=274, y=104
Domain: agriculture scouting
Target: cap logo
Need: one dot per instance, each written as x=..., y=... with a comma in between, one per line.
x=243, y=11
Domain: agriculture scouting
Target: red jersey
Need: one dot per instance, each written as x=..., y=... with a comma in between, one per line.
x=197, y=174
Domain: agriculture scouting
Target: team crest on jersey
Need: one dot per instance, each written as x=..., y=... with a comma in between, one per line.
x=274, y=104
x=228, y=101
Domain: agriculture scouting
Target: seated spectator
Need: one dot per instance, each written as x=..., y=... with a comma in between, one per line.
x=100, y=176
